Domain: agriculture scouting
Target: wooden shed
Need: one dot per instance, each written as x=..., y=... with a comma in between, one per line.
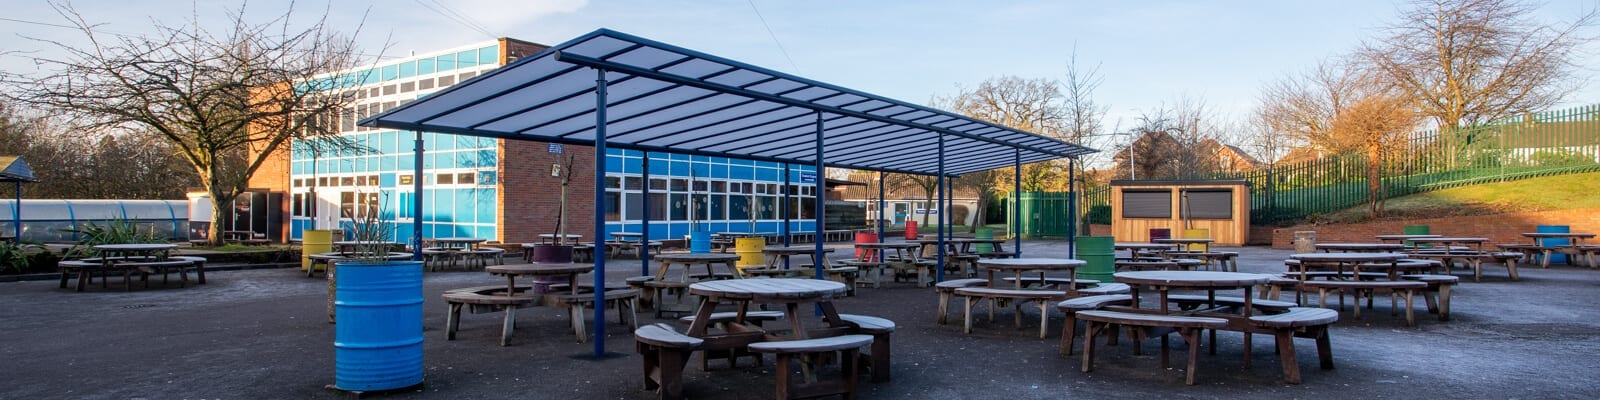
x=1220, y=206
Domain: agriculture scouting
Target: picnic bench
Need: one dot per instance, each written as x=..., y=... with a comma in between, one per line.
x=811, y=351
x=1151, y=325
x=665, y=351
x=485, y=299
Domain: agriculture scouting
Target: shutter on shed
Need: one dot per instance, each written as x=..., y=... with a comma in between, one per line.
x=1147, y=204
x=1210, y=204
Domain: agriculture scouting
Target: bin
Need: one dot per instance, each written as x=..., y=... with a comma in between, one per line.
x=699, y=242
x=911, y=230
x=983, y=233
x=1415, y=230
x=1198, y=234
x=1555, y=257
x=1305, y=242
x=378, y=341
x=1160, y=233
x=314, y=241
x=870, y=237
x=749, y=251
x=1098, y=252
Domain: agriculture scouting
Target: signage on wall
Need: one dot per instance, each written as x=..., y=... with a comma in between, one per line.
x=555, y=169
x=554, y=148
x=808, y=177
x=933, y=211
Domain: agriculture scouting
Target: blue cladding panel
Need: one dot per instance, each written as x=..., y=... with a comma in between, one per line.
x=462, y=212
x=740, y=173
x=678, y=168
x=386, y=163
x=767, y=174
x=719, y=171
x=405, y=162
x=613, y=167
x=485, y=232
x=658, y=167
x=386, y=179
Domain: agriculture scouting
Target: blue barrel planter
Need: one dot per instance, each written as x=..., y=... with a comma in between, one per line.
x=699, y=242
x=1555, y=257
x=378, y=340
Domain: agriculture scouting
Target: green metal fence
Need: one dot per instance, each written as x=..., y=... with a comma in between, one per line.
x=1539, y=144
x=1046, y=214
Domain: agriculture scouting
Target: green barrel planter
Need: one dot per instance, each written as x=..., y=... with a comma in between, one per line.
x=1098, y=252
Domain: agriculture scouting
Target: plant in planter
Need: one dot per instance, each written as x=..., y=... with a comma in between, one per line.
x=559, y=251
x=378, y=304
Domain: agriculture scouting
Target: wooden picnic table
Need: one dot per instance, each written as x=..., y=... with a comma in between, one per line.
x=1210, y=281
x=568, y=239
x=1402, y=238
x=627, y=235
x=1017, y=266
x=788, y=292
x=552, y=272
x=1475, y=242
x=1361, y=247
x=1184, y=243
x=1341, y=261
x=1574, y=249
x=689, y=260
x=775, y=253
x=459, y=243
x=1134, y=246
x=964, y=245
x=346, y=246
x=111, y=252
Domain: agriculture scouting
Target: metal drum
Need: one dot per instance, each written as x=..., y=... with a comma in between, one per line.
x=749, y=251
x=1100, y=255
x=378, y=340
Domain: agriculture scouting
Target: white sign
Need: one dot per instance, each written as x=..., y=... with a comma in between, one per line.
x=808, y=177
x=933, y=211
x=554, y=148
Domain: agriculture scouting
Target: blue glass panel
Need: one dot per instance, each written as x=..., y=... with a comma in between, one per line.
x=613, y=167
x=658, y=167
x=768, y=174
x=735, y=161
x=429, y=160
x=700, y=158
x=389, y=73
x=447, y=62
x=408, y=69
x=463, y=231
x=467, y=58
x=489, y=158
x=368, y=77
x=466, y=142
x=447, y=160
x=719, y=171
x=486, y=232
x=296, y=168
x=630, y=165
x=404, y=163
x=739, y=172
x=485, y=206
x=676, y=156
x=489, y=55
x=462, y=212
x=402, y=233
x=615, y=152
x=425, y=66
x=676, y=168
x=443, y=142
x=385, y=163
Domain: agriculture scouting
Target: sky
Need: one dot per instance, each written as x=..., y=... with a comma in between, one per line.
x=1148, y=53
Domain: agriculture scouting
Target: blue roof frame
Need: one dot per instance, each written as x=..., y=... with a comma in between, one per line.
x=666, y=98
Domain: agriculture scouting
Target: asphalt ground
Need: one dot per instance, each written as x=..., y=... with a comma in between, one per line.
x=263, y=334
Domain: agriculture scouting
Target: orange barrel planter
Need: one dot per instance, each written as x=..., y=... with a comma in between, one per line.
x=867, y=237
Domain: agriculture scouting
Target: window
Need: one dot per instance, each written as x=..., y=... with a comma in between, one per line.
x=465, y=178
x=388, y=89
x=738, y=207
x=347, y=181
x=372, y=180
x=658, y=207
x=407, y=87
x=296, y=205
x=613, y=182
x=297, y=183
x=445, y=179
x=658, y=184
x=447, y=80
x=767, y=207
x=613, y=206
x=719, y=187
x=323, y=181
x=719, y=207
x=405, y=179
x=425, y=84
x=1147, y=204
x=700, y=186
x=361, y=181
x=680, y=207
x=347, y=205
x=1208, y=203
x=680, y=185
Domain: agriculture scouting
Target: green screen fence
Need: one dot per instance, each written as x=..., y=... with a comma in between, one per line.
x=1538, y=144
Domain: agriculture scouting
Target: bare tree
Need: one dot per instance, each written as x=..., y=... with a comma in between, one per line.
x=1172, y=142
x=1468, y=62
x=1380, y=121
x=226, y=100
x=129, y=165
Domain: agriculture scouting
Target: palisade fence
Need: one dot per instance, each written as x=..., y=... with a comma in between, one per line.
x=1540, y=144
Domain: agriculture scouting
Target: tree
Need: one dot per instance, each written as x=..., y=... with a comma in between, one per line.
x=1170, y=142
x=1468, y=62
x=129, y=165
x=227, y=101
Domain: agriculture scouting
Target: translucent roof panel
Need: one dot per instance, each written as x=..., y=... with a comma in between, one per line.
x=661, y=97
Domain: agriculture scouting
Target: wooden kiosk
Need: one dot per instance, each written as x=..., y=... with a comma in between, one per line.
x=1221, y=206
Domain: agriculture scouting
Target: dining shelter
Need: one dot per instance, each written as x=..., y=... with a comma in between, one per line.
x=611, y=89
x=13, y=169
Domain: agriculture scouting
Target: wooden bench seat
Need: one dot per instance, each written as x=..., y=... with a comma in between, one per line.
x=1366, y=288
x=487, y=299
x=625, y=300
x=1160, y=265
x=1437, y=295
x=812, y=349
x=720, y=321
x=1190, y=302
x=1104, y=289
x=1299, y=322
x=665, y=352
x=1187, y=327
x=1051, y=282
x=1331, y=275
x=1071, y=307
x=882, y=330
x=1042, y=297
x=945, y=289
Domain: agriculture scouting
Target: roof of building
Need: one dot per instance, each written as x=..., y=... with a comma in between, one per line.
x=661, y=97
x=14, y=169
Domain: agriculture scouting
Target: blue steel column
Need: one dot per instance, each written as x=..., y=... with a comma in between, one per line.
x=821, y=192
x=785, y=209
x=644, y=237
x=1072, y=204
x=879, y=222
x=416, y=200
x=1016, y=205
x=938, y=263
x=16, y=215
x=600, y=211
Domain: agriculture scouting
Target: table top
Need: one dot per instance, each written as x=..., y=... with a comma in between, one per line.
x=1348, y=257
x=974, y=240
x=1405, y=237
x=1450, y=240
x=1361, y=246
x=539, y=269
x=1184, y=240
x=887, y=245
x=363, y=242
x=568, y=236
x=627, y=234
x=1558, y=235
x=392, y=256
x=747, y=234
x=135, y=247
x=1191, y=278
x=780, y=289
x=695, y=257
x=1031, y=263
x=1125, y=246
x=793, y=249
x=460, y=240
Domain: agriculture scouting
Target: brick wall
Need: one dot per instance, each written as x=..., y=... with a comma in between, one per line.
x=530, y=198
x=1499, y=228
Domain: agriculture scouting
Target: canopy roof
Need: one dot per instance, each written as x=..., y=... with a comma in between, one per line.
x=662, y=97
x=13, y=169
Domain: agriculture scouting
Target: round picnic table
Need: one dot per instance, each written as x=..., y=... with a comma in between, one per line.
x=549, y=272
x=1475, y=242
x=1134, y=246
x=689, y=260
x=1210, y=281
x=346, y=246
x=774, y=253
x=458, y=243
x=1340, y=261
x=1184, y=243
x=627, y=235
x=569, y=239
x=789, y=292
x=965, y=244
x=1361, y=247
x=110, y=252
x=1017, y=266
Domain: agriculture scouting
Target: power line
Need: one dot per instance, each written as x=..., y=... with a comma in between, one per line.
x=447, y=13
x=465, y=17
x=774, y=36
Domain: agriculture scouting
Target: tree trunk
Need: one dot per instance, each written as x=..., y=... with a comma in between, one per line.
x=220, y=202
x=982, y=216
x=1374, y=180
